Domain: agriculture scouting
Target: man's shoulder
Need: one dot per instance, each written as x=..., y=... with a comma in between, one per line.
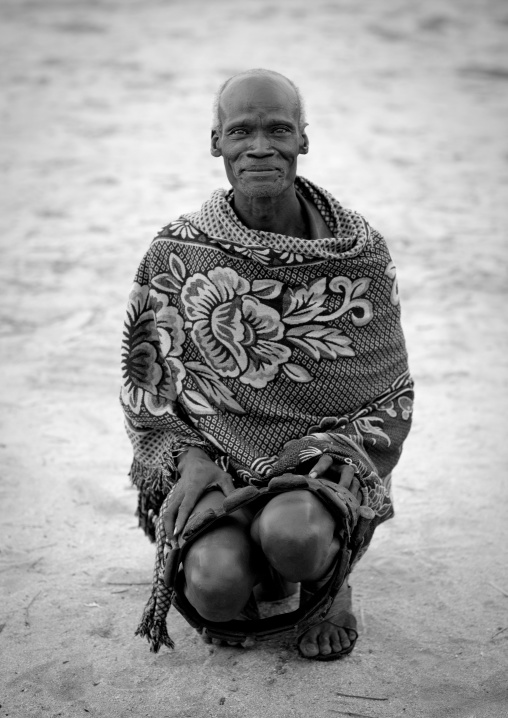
x=172, y=239
x=181, y=229
x=176, y=244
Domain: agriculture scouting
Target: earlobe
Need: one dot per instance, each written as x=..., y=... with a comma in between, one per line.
x=304, y=147
x=215, y=150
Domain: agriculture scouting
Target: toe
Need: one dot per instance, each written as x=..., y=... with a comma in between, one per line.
x=336, y=642
x=324, y=643
x=308, y=645
x=344, y=638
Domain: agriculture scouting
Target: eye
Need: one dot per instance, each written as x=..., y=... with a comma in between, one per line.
x=237, y=131
x=281, y=130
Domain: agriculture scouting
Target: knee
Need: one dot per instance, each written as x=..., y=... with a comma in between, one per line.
x=218, y=586
x=296, y=534
x=296, y=556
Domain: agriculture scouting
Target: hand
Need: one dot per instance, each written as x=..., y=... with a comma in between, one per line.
x=197, y=473
x=341, y=474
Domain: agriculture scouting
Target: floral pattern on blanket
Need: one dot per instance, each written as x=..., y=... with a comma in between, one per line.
x=244, y=329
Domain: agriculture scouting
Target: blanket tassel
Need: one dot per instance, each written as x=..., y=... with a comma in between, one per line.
x=155, y=631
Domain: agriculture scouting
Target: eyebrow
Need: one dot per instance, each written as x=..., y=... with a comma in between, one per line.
x=271, y=121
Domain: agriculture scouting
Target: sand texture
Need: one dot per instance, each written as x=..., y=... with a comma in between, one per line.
x=105, y=125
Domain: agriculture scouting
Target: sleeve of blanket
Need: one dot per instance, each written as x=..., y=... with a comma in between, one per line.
x=373, y=443
x=371, y=440
x=156, y=422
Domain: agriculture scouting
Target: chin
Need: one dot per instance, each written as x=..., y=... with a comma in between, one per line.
x=272, y=189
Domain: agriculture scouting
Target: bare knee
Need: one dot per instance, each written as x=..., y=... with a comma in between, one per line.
x=296, y=533
x=218, y=583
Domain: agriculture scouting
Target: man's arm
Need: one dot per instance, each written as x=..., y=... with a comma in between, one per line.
x=156, y=423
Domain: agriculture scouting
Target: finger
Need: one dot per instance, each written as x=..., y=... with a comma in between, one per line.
x=169, y=516
x=226, y=484
x=347, y=474
x=321, y=467
x=356, y=488
x=184, y=511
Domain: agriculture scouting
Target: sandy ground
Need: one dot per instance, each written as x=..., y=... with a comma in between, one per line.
x=105, y=123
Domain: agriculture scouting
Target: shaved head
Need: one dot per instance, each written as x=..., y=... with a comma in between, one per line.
x=259, y=134
x=264, y=74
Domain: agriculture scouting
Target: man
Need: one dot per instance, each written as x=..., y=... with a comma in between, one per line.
x=263, y=348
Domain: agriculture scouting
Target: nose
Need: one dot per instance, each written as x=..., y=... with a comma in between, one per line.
x=261, y=145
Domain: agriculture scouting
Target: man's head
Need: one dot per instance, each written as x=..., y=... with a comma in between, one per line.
x=258, y=130
x=257, y=72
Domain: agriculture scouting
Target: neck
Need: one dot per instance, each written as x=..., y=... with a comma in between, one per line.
x=279, y=215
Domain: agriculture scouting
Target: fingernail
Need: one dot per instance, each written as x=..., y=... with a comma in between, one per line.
x=177, y=529
x=312, y=474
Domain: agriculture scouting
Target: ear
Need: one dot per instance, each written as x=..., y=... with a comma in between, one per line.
x=215, y=149
x=304, y=143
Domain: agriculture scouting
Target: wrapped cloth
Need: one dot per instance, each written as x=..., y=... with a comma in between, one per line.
x=266, y=351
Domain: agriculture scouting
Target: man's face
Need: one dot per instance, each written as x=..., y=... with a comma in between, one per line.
x=260, y=138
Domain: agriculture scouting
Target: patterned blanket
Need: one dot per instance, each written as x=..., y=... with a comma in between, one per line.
x=266, y=351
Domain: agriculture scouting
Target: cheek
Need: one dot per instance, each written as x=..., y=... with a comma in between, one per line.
x=232, y=158
x=229, y=167
x=289, y=153
x=229, y=162
x=232, y=150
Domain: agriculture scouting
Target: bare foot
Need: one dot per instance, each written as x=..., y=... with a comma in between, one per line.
x=325, y=638
x=336, y=632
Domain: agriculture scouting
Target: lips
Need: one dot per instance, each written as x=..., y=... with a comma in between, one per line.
x=260, y=171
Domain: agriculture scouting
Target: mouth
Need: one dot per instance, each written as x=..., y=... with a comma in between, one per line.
x=259, y=171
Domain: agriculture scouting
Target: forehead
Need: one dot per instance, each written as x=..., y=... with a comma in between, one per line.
x=259, y=96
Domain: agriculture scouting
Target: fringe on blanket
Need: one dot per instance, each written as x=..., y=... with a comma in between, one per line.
x=154, y=630
x=158, y=478
x=153, y=624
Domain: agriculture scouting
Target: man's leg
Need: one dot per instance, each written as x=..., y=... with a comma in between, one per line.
x=296, y=533
x=221, y=567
